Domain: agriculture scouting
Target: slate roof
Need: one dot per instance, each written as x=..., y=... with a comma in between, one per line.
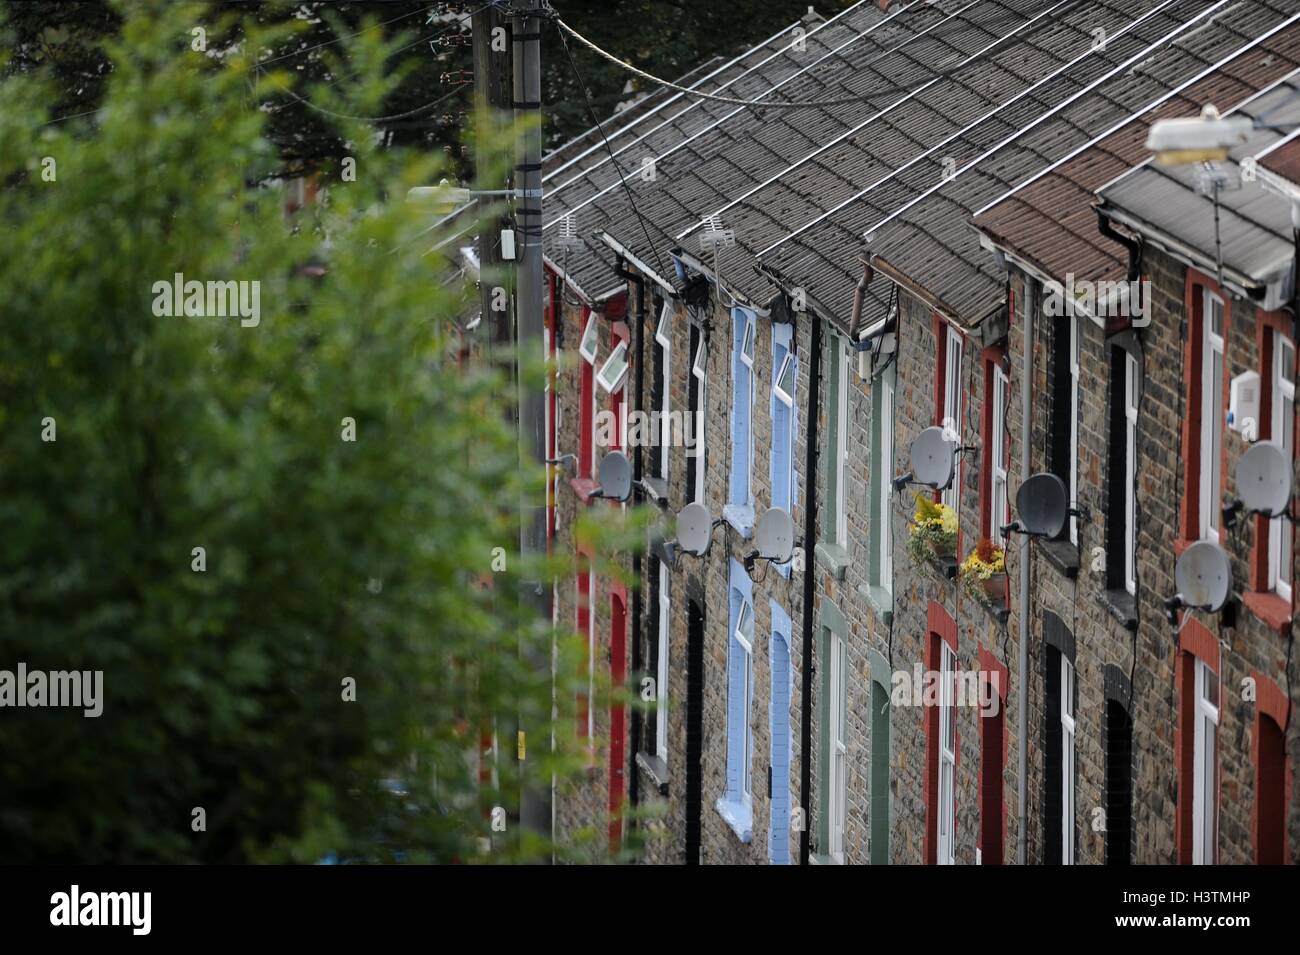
x=1152, y=47
x=1171, y=206
x=597, y=188
x=1027, y=87
x=1051, y=223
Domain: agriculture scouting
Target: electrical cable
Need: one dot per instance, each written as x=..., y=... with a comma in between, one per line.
x=765, y=104
x=591, y=110
x=339, y=39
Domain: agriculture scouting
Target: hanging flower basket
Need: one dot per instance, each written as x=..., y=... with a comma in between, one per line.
x=933, y=531
x=984, y=573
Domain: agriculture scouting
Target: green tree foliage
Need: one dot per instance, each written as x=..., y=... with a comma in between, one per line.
x=326, y=560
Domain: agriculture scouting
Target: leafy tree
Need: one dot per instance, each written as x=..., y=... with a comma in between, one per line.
x=129, y=439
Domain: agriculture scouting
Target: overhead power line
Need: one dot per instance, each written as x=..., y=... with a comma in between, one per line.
x=763, y=103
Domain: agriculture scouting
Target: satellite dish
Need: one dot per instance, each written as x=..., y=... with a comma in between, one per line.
x=774, y=535
x=1203, y=576
x=1264, y=479
x=615, y=476
x=1042, y=505
x=694, y=527
x=932, y=455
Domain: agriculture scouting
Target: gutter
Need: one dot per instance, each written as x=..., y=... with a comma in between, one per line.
x=624, y=253
x=812, y=412
x=1022, y=663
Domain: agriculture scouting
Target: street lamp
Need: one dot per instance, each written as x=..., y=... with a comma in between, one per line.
x=1204, y=138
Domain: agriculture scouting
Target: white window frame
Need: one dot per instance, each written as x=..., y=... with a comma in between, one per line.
x=1205, y=768
x=842, y=445
x=838, y=791
x=884, y=484
x=947, y=808
x=588, y=349
x=1067, y=761
x=699, y=366
x=782, y=395
x=1281, y=555
x=744, y=642
x=998, y=502
x=748, y=337
x=662, y=671
x=663, y=336
x=1132, y=384
x=603, y=378
x=1076, y=335
x=1212, y=414
x=952, y=406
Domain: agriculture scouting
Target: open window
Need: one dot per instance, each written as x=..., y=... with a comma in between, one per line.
x=1282, y=431
x=589, y=342
x=614, y=372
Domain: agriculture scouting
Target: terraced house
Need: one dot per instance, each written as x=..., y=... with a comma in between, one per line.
x=894, y=224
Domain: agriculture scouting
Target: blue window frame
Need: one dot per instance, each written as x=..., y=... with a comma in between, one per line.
x=778, y=842
x=740, y=494
x=736, y=805
x=785, y=421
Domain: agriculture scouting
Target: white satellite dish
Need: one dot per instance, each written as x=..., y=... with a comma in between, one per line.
x=1264, y=479
x=694, y=528
x=932, y=455
x=1203, y=576
x=615, y=476
x=1042, y=504
x=774, y=535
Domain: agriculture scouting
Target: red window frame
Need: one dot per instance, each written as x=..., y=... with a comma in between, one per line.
x=941, y=629
x=1265, y=604
x=586, y=630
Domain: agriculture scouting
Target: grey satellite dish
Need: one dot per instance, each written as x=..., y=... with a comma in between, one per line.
x=932, y=455
x=694, y=527
x=615, y=476
x=1264, y=479
x=1042, y=505
x=1203, y=576
x=774, y=535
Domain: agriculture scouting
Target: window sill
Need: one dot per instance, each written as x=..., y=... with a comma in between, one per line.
x=1122, y=606
x=584, y=488
x=820, y=858
x=880, y=600
x=741, y=517
x=1062, y=555
x=739, y=815
x=657, y=489
x=834, y=558
x=1270, y=608
x=656, y=769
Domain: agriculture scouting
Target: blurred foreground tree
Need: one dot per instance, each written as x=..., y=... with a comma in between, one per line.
x=276, y=535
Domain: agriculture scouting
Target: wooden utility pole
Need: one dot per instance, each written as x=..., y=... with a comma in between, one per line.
x=535, y=797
